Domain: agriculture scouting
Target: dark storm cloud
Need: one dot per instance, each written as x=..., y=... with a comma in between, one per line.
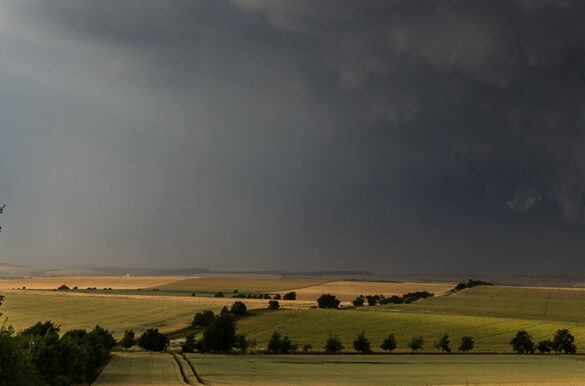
x=434, y=136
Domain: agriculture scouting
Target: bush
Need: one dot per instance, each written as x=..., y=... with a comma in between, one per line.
x=152, y=340
x=273, y=305
x=372, y=299
x=277, y=297
x=219, y=295
x=128, y=339
x=467, y=344
x=358, y=301
x=190, y=344
x=389, y=343
x=238, y=308
x=416, y=343
x=203, y=318
x=328, y=301
x=564, y=341
x=443, y=344
x=522, y=343
x=362, y=344
x=333, y=345
x=290, y=296
x=220, y=335
x=63, y=287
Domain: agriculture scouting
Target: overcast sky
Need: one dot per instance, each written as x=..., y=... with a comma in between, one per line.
x=396, y=136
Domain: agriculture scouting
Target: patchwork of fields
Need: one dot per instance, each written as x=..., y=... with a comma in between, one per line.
x=490, y=314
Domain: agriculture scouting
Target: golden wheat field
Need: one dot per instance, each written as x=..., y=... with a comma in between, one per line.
x=240, y=284
x=117, y=282
x=346, y=291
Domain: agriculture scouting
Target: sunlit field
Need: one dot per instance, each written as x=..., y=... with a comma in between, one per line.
x=381, y=369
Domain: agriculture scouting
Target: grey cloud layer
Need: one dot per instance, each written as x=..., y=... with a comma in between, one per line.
x=293, y=134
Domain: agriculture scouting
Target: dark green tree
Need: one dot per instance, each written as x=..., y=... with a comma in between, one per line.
x=128, y=340
x=522, y=343
x=153, y=340
x=273, y=305
x=220, y=335
x=290, y=296
x=274, y=343
x=203, y=318
x=190, y=344
x=564, y=341
x=467, y=344
x=544, y=346
x=362, y=344
x=238, y=308
x=416, y=343
x=328, y=301
x=389, y=343
x=333, y=345
x=443, y=344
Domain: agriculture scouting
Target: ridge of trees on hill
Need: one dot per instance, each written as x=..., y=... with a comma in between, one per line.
x=470, y=283
x=406, y=298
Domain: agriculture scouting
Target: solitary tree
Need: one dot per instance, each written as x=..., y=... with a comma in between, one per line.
x=467, y=344
x=416, y=343
x=290, y=296
x=564, y=341
x=522, y=343
x=389, y=343
x=362, y=344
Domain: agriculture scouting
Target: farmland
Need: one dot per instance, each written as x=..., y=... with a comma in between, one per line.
x=313, y=327
x=118, y=282
x=141, y=368
x=508, y=302
x=346, y=291
x=378, y=369
x=490, y=314
x=241, y=284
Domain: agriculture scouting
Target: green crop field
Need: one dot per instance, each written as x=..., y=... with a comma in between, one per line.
x=113, y=313
x=384, y=369
x=508, y=302
x=141, y=368
x=313, y=327
x=491, y=315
